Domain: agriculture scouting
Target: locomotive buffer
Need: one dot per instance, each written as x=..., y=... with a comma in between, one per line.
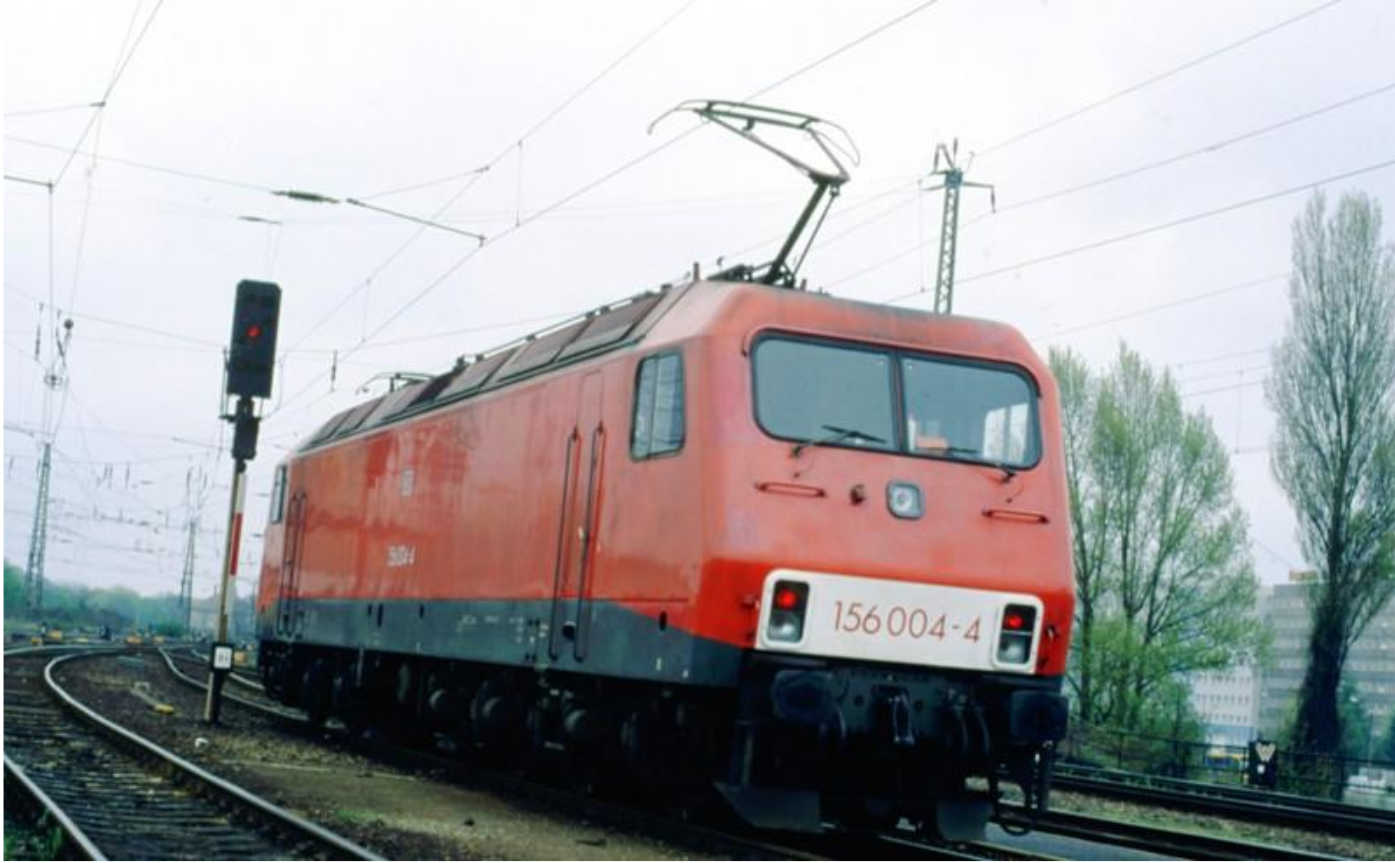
x=251, y=358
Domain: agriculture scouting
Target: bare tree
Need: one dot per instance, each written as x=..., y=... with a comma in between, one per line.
x=1334, y=453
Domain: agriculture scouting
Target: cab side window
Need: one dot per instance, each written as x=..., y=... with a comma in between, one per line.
x=278, y=495
x=658, y=426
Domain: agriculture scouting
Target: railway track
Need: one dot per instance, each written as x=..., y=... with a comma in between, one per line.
x=1290, y=810
x=117, y=795
x=233, y=676
x=1179, y=844
x=894, y=845
x=779, y=846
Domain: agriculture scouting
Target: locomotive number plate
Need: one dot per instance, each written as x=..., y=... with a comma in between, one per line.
x=856, y=617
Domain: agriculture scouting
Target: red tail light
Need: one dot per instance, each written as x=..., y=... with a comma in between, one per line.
x=788, y=601
x=786, y=598
x=1015, y=640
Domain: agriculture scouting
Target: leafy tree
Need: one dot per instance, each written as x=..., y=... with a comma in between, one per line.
x=168, y=628
x=1163, y=572
x=1356, y=722
x=14, y=588
x=1334, y=451
x=1078, y=406
x=1385, y=749
x=80, y=605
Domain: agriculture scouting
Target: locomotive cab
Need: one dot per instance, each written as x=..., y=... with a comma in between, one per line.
x=890, y=515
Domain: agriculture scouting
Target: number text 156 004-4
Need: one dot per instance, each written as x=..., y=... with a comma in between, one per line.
x=898, y=621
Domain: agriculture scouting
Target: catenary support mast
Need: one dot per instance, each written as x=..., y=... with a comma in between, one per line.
x=953, y=180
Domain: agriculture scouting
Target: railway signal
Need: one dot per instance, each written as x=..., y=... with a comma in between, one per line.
x=252, y=348
x=251, y=361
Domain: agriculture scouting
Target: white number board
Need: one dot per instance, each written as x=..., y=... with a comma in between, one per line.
x=881, y=620
x=222, y=657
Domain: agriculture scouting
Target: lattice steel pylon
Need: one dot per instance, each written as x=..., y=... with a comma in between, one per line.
x=38, y=536
x=55, y=378
x=186, y=581
x=949, y=224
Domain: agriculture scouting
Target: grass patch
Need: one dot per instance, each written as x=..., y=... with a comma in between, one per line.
x=25, y=840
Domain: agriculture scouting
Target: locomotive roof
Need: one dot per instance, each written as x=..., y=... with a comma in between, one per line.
x=598, y=331
x=619, y=324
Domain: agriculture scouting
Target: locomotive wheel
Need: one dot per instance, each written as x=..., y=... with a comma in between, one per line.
x=867, y=814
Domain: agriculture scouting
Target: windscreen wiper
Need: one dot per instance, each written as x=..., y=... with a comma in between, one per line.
x=1008, y=472
x=837, y=433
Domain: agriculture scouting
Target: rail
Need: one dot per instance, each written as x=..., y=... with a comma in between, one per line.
x=1291, y=810
x=1179, y=844
x=74, y=833
x=90, y=799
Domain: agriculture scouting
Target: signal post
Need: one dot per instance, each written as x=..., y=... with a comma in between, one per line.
x=251, y=359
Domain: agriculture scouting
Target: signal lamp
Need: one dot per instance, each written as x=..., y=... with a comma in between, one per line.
x=786, y=598
x=252, y=348
x=789, y=601
x=1015, y=638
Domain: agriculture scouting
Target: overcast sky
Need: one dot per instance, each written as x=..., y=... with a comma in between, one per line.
x=216, y=105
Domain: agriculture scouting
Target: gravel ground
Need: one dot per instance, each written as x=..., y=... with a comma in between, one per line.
x=399, y=814
x=1339, y=846
x=410, y=815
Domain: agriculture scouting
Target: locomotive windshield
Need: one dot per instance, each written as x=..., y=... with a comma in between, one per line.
x=895, y=401
x=803, y=389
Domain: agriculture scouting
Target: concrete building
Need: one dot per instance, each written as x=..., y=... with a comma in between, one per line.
x=1370, y=664
x=1228, y=703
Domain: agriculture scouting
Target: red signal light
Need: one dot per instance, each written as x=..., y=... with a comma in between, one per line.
x=786, y=598
x=1013, y=620
x=254, y=331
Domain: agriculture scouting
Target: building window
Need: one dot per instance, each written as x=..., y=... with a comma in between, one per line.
x=658, y=426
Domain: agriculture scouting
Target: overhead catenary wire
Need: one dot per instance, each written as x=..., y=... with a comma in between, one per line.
x=625, y=166
x=1229, y=355
x=1154, y=79
x=1148, y=310
x=147, y=166
x=1117, y=238
x=1096, y=182
x=1225, y=389
x=15, y=178
x=53, y=377
x=557, y=109
x=86, y=316
x=111, y=85
x=477, y=173
x=1228, y=373
x=31, y=112
x=1205, y=149
x=1197, y=151
x=846, y=46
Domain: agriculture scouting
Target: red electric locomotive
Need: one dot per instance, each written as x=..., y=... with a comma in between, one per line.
x=811, y=550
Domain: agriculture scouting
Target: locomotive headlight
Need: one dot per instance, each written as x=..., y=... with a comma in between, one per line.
x=1015, y=634
x=1013, y=650
x=788, y=602
x=904, y=500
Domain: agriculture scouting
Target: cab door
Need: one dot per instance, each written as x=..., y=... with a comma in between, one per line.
x=289, y=619
x=582, y=476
